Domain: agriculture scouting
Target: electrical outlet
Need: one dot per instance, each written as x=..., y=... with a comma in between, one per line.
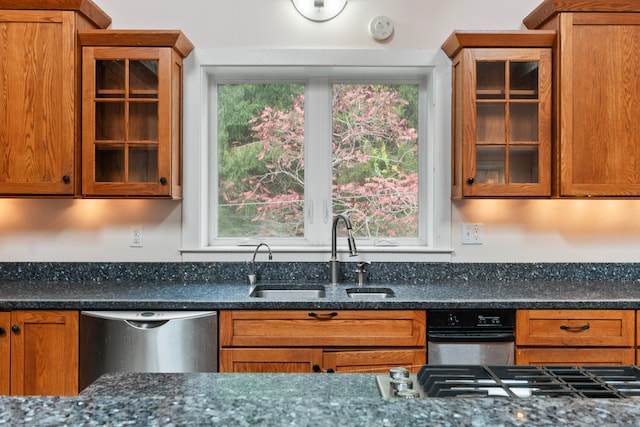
x=135, y=237
x=471, y=234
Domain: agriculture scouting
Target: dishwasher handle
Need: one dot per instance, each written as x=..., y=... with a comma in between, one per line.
x=146, y=324
x=147, y=316
x=471, y=337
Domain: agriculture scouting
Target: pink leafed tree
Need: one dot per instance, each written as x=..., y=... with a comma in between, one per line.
x=374, y=164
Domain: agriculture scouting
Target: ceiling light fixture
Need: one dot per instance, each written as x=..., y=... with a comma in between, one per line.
x=319, y=10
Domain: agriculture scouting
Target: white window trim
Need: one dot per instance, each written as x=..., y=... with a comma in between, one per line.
x=199, y=121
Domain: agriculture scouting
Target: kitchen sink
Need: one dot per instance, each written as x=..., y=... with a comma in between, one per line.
x=370, y=293
x=287, y=291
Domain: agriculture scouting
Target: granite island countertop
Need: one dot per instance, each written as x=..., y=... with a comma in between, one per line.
x=140, y=295
x=294, y=400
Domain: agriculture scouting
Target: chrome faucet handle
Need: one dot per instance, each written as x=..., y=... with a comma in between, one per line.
x=251, y=279
x=362, y=273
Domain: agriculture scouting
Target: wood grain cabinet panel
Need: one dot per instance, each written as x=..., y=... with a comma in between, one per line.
x=321, y=340
x=5, y=353
x=373, y=361
x=299, y=360
x=577, y=328
x=575, y=337
x=39, y=350
x=40, y=95
x=575, y=356
x=322, y=328
x=132, y=112
x=502, y=85
x=596, y=58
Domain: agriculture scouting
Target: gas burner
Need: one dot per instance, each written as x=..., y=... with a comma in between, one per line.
x=521, y=381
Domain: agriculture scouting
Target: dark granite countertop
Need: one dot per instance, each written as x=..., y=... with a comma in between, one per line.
x=295, y=400
x=305, y=399
x=137, y=295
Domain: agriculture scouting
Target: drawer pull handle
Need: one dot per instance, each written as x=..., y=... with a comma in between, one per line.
x=323, y=316
x=574, y=328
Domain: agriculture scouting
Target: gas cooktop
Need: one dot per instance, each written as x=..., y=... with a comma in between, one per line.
x=512, y=381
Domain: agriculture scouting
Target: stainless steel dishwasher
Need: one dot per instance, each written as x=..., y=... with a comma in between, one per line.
x=147, y=341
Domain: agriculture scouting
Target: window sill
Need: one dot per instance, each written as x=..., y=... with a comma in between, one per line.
x=320, y=253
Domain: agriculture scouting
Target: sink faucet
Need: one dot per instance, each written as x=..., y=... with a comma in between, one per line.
x=333, y=262
x=252, y=277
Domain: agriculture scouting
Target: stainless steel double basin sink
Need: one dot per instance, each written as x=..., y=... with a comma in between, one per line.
x=292, y=291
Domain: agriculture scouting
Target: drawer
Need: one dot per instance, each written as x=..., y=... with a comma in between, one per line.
x=314, y=328
x=588, y=328
x=374, y=361
x=575, y=356
x=298, y=360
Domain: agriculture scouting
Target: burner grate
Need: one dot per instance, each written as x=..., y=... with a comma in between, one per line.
x=526, y=381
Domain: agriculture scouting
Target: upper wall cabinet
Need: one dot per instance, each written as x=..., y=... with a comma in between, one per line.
x=40, y=94
x=132, y=112
x=597, y=95
x=501, y=113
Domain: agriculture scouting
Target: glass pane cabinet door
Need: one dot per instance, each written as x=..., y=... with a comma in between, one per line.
x=501, y=129
x=506, y=99
x=126, y=121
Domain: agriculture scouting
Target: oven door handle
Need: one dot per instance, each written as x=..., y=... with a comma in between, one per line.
x=471, y=337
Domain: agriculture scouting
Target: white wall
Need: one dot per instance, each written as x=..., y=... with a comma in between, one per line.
x=513, y=230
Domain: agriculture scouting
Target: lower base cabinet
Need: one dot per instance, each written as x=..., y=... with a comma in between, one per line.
x=301, y=360
x=321, y=341
x=373, y=361
x=39, y=352
x=575, y=356
x=575, y=337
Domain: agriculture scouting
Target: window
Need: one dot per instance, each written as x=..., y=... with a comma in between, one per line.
x=261, y=160
x=260, y=147
x=289, y=147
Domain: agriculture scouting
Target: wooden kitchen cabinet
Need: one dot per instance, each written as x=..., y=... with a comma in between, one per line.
x=575, y=356
x=132, y=112
x=501, y=113
x=596, y=84
x=39, y=352
x=40, y=94
x=575, y=337
x=373, y=361
x=321, y=340
x=5, y=353
x=289, y=360
x=638, y=337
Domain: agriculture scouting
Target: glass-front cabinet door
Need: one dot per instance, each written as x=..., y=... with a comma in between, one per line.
x=501, y=121
x=126, y=121
x=131, y=120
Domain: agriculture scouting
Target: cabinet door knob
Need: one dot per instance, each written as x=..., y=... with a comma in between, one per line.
x=163, y=180
x=470, y=180
x=2, y=331
x=66, y=179
x=316, y=368
x=15, y=328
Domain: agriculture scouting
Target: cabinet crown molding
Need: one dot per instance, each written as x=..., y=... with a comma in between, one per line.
x=137, y=38
x=85, y=7
x=497, y=39
x=549, y=8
